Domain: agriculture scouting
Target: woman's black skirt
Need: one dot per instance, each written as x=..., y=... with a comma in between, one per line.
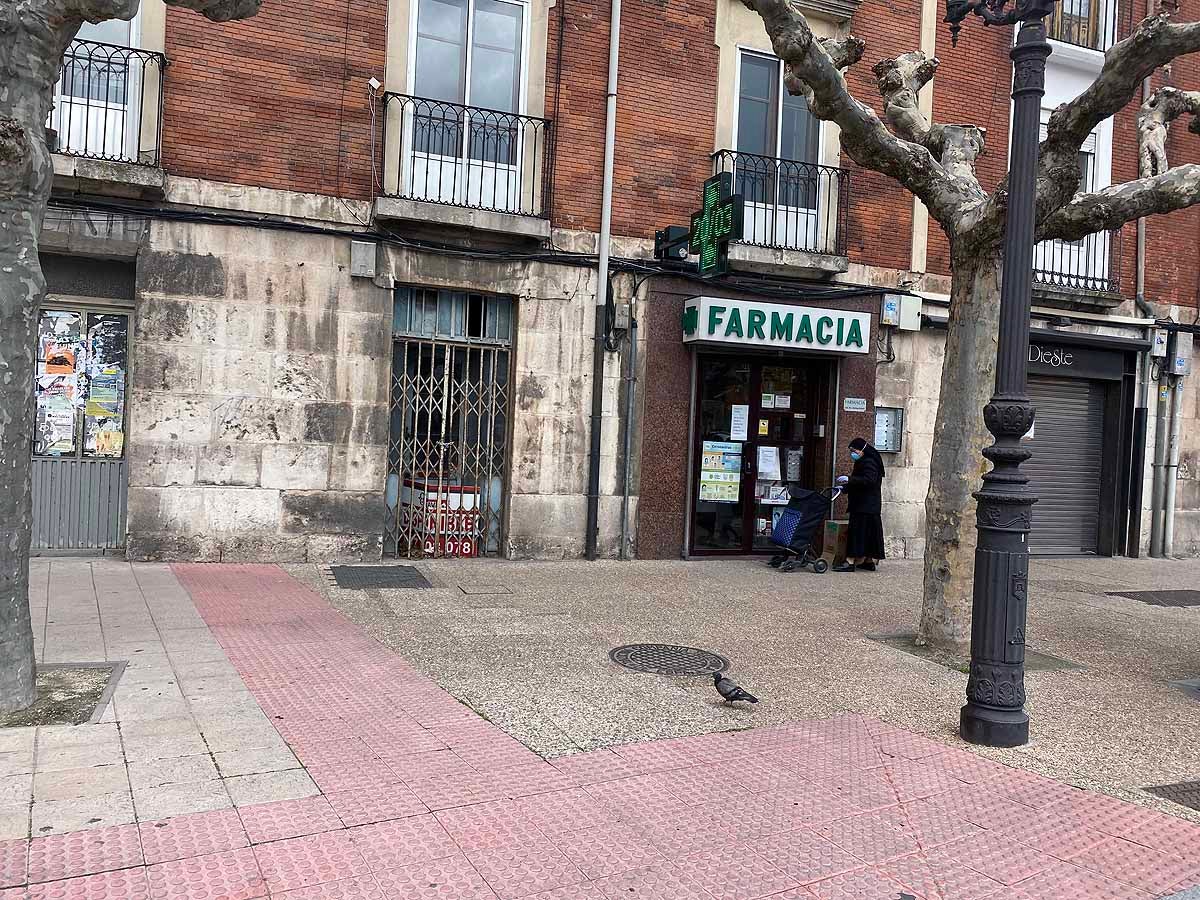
x=866, y=536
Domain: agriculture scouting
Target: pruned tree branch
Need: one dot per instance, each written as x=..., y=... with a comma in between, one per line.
x=1112, y=207
x=900, y=81
x=814, y=69
x=1153, y=43
x=1154, y=121
x=103, y=10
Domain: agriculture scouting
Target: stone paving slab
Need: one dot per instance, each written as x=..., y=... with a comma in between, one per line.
x=426, y=799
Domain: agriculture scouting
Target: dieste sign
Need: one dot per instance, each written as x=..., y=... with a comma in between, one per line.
x=751, y=323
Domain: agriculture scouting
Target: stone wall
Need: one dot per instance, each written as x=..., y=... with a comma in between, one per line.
x=258, y=398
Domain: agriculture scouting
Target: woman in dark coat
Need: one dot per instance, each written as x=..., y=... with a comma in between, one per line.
x=864, y=545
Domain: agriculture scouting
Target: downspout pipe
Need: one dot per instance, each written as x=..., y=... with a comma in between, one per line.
x=1172, y=467
x=630, y=395
x=603, y=290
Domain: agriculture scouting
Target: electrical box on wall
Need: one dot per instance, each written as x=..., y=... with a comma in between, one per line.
x=621, y=316
x=889, y=428
x=362, y=259
x=1159, y=347
x=1179, y=360
x=889, y=314
x=901, y=311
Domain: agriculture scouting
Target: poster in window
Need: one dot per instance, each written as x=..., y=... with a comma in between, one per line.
x=60, y=341
x=739, y=421
x=720, y=471
x=104, y=384
x=54, y=426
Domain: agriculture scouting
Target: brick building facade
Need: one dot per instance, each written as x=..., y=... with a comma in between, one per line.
x=350, y=252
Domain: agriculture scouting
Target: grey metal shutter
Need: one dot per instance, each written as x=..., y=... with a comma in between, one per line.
x=1068, y=449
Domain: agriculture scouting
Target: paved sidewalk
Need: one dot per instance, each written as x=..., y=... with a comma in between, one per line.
x=421, y=798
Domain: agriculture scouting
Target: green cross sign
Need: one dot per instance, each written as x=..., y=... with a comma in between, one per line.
x=718, y=222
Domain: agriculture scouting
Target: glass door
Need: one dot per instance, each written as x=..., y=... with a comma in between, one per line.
x=755, y=433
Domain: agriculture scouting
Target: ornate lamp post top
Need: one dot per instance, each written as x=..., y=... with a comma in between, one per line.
x=994, y=12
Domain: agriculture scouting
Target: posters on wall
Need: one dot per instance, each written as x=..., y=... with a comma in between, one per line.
x=81, y=376
x=720, y=471
x=768, y=464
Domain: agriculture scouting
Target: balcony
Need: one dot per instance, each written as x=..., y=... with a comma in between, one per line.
x=466, y=166
x=1091, y=24
x=795, y=212
x=106, y=124
x=1084, y=272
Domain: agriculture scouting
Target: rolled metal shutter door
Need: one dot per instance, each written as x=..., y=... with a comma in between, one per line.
x=1067, y=445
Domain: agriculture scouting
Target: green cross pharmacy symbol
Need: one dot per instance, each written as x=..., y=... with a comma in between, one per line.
x=691, y=318
x=718, y=222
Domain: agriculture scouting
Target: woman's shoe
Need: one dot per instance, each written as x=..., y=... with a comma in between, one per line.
x=844, y=567
x=867, y=567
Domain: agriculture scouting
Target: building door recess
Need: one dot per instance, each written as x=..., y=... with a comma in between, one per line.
x=448, y=444
x=1066, y=470
x=79, y=476
x=757, y=427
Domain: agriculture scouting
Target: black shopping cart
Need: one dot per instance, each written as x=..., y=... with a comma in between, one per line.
x=797, y=527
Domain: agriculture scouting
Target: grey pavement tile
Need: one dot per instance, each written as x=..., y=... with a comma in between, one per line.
x=174, y=770
x=168, y=746
x=168, y=726
x=14, y=821
x=209, y=668
x=69, y=784
x=213, y=686
x=78, y=756
x=13, y=740
x=180, y=799
x=149, y=710
x=76, y=814
x=56, y=736
x=255, y=761
x=228, y=736
x=292, y=784
x=16, y=789
x=191, y=656
x=16, y=762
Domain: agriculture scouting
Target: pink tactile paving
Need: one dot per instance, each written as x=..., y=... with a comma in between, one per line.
x=192, y=835
x=535, y=778
x=288, y=818
x=734, y=873
x=364, y=805
x=462, y=789
x=1113, y=817
x=18, y=893
x=363, y=887
x=488, y=826
x=806, y=856
x=1166, y=833
x=1064, y=881
x=607, y=850
x=868, y=790
x=869, y=837
x=569, y=810
x=570, y=892
x=982, y=805
x=126, y=884
x=596, y=766
x=937, y=878
x=361, y=774
x=858, y=885
x=1056, y=833
x=966, y=766
x=664, y=881
x=1142, y=867
x=912, y=780
x=452, y=878
x=232, y=875
x=307, y=861
x=14, y=860
x=84, y=852
x=514, y=872
x=698, y=785
x=1004, y=860
x=388, y=845
x=427, y=764
x=929, y=825
x=1034, y=790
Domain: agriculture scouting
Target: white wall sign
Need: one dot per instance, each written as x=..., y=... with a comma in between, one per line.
x=739, y=420
x=854, y=404
x=757, y=324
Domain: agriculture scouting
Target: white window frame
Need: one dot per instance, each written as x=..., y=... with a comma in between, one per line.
x=772, y=224
x=453, y=181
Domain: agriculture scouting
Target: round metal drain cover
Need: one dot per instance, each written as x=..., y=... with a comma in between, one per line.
x=668, y=659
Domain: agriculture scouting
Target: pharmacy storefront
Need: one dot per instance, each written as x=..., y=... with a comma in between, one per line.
x=777, y=389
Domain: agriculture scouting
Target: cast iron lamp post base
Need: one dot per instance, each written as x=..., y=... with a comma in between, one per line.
x=994, y=715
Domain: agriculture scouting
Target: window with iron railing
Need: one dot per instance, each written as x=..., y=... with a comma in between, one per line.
x=108, y=99
x=462, y=137
x=1084, y=23
x=791, y=201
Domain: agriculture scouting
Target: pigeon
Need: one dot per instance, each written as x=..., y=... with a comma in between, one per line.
x=730, y=690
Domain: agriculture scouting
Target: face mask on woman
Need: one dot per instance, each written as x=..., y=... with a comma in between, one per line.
x=855, y=455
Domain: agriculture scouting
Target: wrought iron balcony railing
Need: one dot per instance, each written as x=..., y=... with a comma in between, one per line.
x=1089, y=265
x=108, y=103
x=1085, y=23
x=467, y=156
x=789, y=205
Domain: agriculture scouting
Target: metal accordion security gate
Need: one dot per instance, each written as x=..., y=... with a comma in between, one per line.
x=449, y=429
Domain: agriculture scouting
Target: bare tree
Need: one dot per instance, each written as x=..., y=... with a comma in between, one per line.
x=937, y=163
x=34, y=35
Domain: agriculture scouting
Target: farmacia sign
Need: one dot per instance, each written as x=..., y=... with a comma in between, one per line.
x=752, y=323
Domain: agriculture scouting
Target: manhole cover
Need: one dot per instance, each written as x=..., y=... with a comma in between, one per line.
x=1161, y=598
x=668, y=659
x=361, y=578
x=1186, y=793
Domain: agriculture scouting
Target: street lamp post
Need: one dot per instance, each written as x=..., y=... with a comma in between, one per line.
x=995, y=711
